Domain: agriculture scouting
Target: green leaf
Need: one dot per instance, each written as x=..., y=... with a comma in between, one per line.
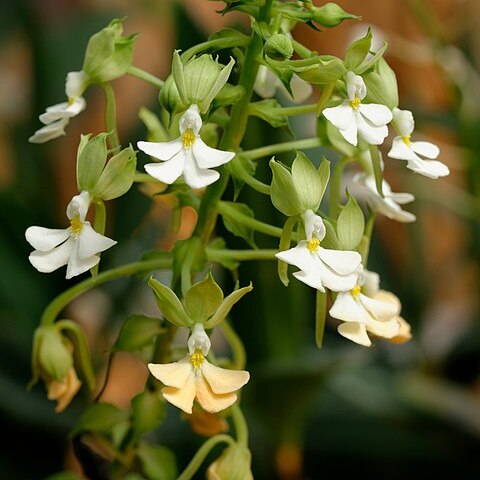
x=100, y=418
x=53, y=354
x=358, y=51
x=158, y=462
x=91, y=158
x=226, y=306
x=285, y=245
x=148, y=410
x=137, y=332
x=320, y=316
x=241, y=167
x=307, y=183
x=283, y=193
x=350, y=225
x=203, y=299
x=270, y=111
x=117, y=176
x=169, y=304
x=236, y=227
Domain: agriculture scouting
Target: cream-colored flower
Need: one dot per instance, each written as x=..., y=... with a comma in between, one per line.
x=195, y=378
x=64, y=391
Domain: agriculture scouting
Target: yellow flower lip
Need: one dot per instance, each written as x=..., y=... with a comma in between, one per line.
x=188, y=138
x=355, y=103
x=76, y=225
x=355, y=292
x=407, y=141
x=313, y=244
x=197, y=358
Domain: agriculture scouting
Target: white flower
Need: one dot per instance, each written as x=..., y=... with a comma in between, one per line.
x=57, y=116
x=75, y=246
x=377, y=313
x=194, y=377
x=404, y=149
x=321, y=268
x=267, y=84
x=188, y=155
x=389, y=204
x=356, y=119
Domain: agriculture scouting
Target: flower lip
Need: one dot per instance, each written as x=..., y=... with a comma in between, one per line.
x=76, y=225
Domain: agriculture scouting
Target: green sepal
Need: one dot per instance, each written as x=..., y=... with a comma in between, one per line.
x=148, y=409
x=203, y=299
x=331, y=239
x=54, y=357
x=108, y=54
x=91, y=158
x=138, y=332
x=307, y=182
x=320, y=317
x=226, y=305
x=178, y=74
x=370, y=62
x=331, y=15
x=324, y=175
x=283, y=192
x=358, y=51
x=381, y=85
x=233, y=464
x=169, y=304
x=284, y=244
x=234, y=226
x=350, y=225
x=170, y=98
x=158, y=462
x=268, y=110
x=328, y=70
x=117, y=176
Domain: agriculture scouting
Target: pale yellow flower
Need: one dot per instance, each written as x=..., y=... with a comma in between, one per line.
x=64, y=391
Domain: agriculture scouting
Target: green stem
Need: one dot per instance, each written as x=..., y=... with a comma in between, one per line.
x=215, y=44
x=297, y=110
x=59, y=303
x=225, y=209
x=143, y=75
x=218, y=255
x=364, y=246
x=144, y=178
x=377, y=168
x=302, y=51
x=324, y=98
x=238, y=350
x=335, y=187
x=99, y=226
x=270, y=150
x=111, y=116
x=240, y=424
x=202, y=453
x=238, y=171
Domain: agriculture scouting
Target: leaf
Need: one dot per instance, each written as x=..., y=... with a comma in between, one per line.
x=158, y=462
x=270, y=111
x=227, y=305
x=234, y=226
x=285, y=245
x=320, y=316
x=328, y=70
x=358, y=51
x=203, y=299
x=169, y=304
x=241, y=166
x=307, y=183
x=283, y=193
x=91, y=158
x=137, y=332
x=148, y=410
x=350, y=225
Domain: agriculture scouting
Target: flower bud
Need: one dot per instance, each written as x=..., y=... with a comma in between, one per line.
x=233, y=464
x=279, y=47
x=108, y=54
x=52, y=354
x=330, y=15
x=64, y=391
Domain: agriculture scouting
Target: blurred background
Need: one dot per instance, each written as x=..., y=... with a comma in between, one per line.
x=389, y=410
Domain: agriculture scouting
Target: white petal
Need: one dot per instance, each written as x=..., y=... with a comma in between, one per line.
x=77, y=265
x=75, y=84
x=208, y=157
x=355, y=86
x=63, y=110
x=343, y=262
x=356, y=332
x=169, y=171
x=402, y=198
x=312, y=279
x=426, y=149
x=266, y=83
x=371, y=283
x=161, y=150
x=314, y=225
x=348, y=309
x=341, y=116
x=182, y=397
x=350, y=134
x=370, y=133
x=404, y=123
x=401, y=151
x=335, y=282
x=49, y=132
x=388, y=297
x=196, y=177
x=47, y=262
x=210, y=401
x=91, y=242
x=429, y=168
x=44, y=239
x=301, y=89
x=222, y=380
x=78, y=206
x=191, y=119
x=378, y=115
x=385, y=329
x=172, y=374
x=379, y=310
x=299, y=256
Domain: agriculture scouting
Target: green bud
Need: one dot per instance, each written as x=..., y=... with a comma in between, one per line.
x=203, y=299
x=283, y=195
x=91, y=158
x=108, y=54
x=330, y=15
x=381, y=85
x=117, y=176
x=350, y=225
x=233, y=464
x=279, y=46
x=54, y=357
x=200, y=80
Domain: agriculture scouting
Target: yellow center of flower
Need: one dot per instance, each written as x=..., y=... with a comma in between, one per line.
x=188, y=138
x=355, y=292
x=70, y=101
x=197, y=359
x=313, y=244
x=355, y=103
x=407, y=141
x=76, y=225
